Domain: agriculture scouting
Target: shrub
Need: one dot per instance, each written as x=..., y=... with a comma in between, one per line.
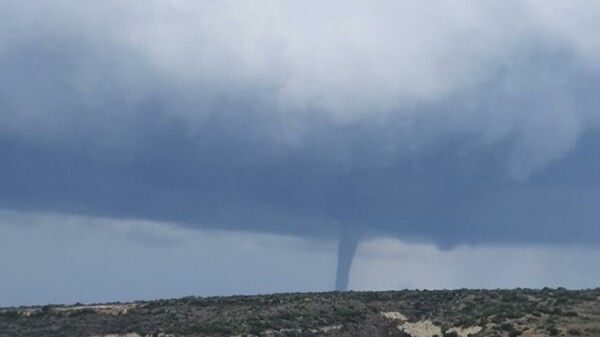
x=514, y=333
x=11, y=314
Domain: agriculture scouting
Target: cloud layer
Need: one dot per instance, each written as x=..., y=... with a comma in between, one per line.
x=466, y=121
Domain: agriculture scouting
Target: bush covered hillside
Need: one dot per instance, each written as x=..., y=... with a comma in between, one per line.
x=458, y=313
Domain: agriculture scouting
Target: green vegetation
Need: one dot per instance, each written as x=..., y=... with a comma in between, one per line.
x=505, y=313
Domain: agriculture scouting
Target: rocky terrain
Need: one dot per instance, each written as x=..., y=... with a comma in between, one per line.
x=444, y=313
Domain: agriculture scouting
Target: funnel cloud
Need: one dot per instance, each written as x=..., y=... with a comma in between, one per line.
x=346, y=251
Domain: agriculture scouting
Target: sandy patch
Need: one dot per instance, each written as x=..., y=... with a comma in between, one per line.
x=394, y=316
x=425, y=328
x=109, y=309
x=466, y=331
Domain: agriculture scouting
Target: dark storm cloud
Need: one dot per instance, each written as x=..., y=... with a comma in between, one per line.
x=469, y=123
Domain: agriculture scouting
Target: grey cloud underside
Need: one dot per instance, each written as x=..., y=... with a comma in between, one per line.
x=510, y=155
x=559, y=205
x=229, y=175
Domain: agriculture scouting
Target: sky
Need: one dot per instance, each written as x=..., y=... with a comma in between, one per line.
x=165, y=148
